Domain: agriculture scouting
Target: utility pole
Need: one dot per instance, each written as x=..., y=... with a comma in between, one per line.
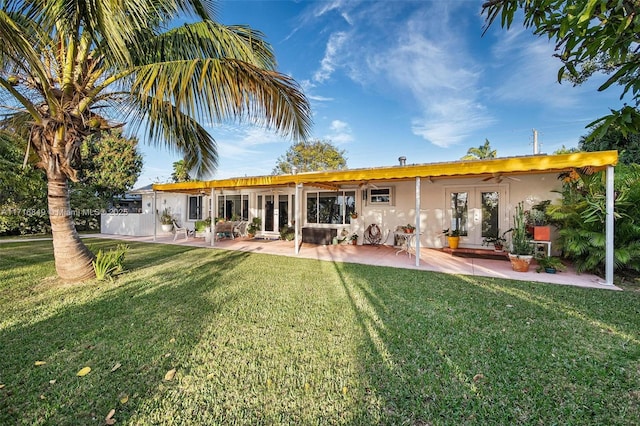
x=536, y=150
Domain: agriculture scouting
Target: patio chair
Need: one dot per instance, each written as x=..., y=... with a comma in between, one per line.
x=240, y=230
x=180, y=230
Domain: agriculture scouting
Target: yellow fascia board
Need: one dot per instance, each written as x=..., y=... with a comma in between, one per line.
x=517, y=165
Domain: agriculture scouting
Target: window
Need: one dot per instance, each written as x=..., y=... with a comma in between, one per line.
x=233, y=207
x=459, y=212
x=195, y=208
x=381, y=196
x=330, y=207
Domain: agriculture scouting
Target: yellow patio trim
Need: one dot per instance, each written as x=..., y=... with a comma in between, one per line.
x=509, y=165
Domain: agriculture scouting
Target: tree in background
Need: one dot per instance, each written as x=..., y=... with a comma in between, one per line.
x=311, y=156
x=69, y=69
x=23, y=196
x=111, y=165
x=628, y=146
x=480, y=153
x=586, y=33
x=180, y=172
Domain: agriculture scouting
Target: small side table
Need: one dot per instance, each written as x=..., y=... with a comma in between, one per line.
x=408, y=242
x=537, y=243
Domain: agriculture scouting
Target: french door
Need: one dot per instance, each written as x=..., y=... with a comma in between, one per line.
x=476, y=212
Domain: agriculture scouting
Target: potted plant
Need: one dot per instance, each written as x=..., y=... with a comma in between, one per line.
x=550, y=264
x=497, y=241
x=538, y=222
x=166, y=220
x=353, y=214
x=354, y=239
x=521, y=249
x=408, y=228
x=453, y=237
x=254, y=227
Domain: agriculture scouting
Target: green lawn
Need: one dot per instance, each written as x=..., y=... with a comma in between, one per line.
x=259, y=339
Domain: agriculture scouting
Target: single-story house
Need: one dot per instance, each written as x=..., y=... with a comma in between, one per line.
x=475, y=197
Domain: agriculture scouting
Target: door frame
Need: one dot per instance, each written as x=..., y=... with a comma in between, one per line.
x=474, y=238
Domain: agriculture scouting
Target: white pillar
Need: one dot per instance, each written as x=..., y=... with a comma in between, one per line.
x=213, y=218
x=417, y=237
x=296, y=218
x=609, y=228
x=155, y=214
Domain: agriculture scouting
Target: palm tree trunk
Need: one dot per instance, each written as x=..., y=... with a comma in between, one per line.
x=72, y=258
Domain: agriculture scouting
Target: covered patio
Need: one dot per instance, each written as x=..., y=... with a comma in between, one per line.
x=424, y=189
x=381, y=255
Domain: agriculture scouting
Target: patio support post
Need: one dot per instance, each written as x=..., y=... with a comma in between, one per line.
x=296, y=219
x=155, y=214
x=212, y=220
x=417, y=221
x=609, y=228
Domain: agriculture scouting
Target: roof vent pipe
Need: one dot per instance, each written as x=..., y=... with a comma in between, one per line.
x=402, y=160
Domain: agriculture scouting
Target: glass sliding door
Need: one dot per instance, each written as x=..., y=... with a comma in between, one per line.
x=269, y=210
x=476, y=212
x=283, y=211
x=459, y=212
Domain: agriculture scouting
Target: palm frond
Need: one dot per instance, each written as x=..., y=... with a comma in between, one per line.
x=208, y=40
x=169, y=127
x=223, y=90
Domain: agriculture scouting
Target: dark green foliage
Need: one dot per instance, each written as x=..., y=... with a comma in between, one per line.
x=111, y=165
x=581, y=219
x=23, y=193
x=628, y=146
x=287, y=233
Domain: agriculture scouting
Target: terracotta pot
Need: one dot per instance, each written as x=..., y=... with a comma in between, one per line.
x=520, y=263
x=542, y=233
x=454, y=242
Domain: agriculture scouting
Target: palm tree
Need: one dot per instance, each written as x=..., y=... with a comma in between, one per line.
x=180, y=172
x=481, y=152
x=71, y=68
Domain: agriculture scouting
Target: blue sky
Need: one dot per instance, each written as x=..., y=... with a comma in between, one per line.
x=404, y=78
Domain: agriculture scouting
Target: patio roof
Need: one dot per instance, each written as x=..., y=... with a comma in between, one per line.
x=333, y=179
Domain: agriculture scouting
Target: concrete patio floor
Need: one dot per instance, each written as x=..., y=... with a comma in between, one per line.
x=430, y=259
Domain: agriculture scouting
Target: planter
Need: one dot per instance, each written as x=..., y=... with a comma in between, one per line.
x=408, y=231
x=498, y=248
x=520, y=262
x=167, y=228
x=550, y=270
x=542, y=233
x=454, y=242
x=354, y=242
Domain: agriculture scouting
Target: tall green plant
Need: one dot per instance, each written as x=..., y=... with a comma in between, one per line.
x=581, y=217
x=519, y=242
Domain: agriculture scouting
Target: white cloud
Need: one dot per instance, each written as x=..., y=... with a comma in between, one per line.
x=331, y=57
x=418, y=59
x=528, y=72
x=340, y=132
x=434, y=69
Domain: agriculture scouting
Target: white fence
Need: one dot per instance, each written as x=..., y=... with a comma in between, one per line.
x=134, y=224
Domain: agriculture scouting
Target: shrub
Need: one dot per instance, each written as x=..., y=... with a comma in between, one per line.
x=108, y=264
x=581, y=218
